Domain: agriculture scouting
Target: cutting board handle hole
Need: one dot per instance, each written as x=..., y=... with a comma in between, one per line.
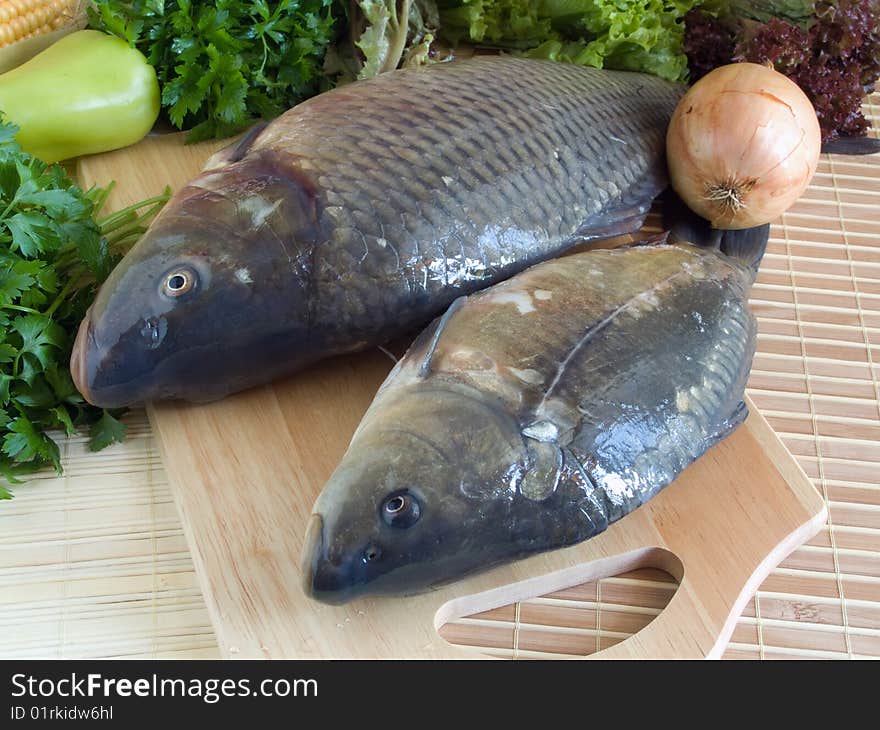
x=603, y=602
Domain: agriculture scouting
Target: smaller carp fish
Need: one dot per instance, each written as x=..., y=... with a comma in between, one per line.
x=534, y=414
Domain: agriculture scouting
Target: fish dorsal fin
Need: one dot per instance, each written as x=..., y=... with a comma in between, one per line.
x=237, y=150
x=425, y=367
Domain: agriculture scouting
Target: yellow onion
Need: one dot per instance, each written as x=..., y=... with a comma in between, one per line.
x=742, y=145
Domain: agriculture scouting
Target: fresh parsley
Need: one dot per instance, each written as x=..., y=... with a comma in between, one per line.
x=54, y=253
x=223, y=64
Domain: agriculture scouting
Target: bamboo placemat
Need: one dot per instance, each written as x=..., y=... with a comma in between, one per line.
x=94, y=563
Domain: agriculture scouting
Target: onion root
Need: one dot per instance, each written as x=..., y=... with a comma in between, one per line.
x=730, y=195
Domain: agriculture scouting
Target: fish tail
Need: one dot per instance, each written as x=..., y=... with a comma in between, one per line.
x=747, y=245
x=852, y=146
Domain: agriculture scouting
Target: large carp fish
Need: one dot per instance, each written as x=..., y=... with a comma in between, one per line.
x=361, y=214
x=534, y=414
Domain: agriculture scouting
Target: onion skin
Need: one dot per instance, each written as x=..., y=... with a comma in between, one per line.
x=742, y=145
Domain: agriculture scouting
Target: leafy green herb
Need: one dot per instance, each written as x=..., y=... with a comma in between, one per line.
x=54, y=253
x=633, y=35
x=794, y=11
x=383, y=41
x=382, y=35
x=223, y=64
x=396, y=32
x=105, y=431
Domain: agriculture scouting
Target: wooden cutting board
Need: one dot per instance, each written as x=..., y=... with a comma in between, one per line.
x=245, y=472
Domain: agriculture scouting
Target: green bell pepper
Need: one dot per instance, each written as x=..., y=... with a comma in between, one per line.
x=89, y=92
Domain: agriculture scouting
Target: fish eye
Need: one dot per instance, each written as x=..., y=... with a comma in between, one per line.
x=178, y=282
x=401, y=509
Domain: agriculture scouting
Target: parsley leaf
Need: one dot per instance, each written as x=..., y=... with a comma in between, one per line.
x=107, y=430
x=63, y=418
x=31, y=233
x=222, y=65
x=7, y=137
x=13, y=283
x=54, y=253
x=23, y=442
x=38, y=333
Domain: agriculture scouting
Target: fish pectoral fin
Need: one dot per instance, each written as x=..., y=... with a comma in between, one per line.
x=730, y=424
x=685, y=226
x=545, y=469
x=626, y=215
x=658, y=239
x=603, y=225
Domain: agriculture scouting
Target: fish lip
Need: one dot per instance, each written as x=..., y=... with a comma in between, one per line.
x=85, y=342
x=313, y=548
x=322, y=581
x=83, y=367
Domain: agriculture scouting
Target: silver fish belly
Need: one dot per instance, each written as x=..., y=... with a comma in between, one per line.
x=533, y=415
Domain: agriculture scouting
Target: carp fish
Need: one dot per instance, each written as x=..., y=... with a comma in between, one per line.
x=362, y=213
x=534, y=414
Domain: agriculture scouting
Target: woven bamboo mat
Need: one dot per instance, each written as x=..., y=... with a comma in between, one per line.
x=94, y=563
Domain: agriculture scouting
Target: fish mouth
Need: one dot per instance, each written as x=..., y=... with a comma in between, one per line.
x=312, y=548
x=85, y=341
x=323, y=579
x=313, y=563
x=96, y=373
x=85, y=370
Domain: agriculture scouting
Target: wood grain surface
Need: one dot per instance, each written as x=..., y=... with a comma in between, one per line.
x=245, y=472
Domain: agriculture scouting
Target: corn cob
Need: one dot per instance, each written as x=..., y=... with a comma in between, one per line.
x=20, y=19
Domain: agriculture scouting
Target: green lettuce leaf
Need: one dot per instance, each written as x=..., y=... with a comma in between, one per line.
x=384, y=34
x=506, y=23
x=632, y=35
x=383, y=40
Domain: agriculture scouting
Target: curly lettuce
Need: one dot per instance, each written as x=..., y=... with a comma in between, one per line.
x=633, y=35
x=383, y=35
x=503, y=23
x=834, y=57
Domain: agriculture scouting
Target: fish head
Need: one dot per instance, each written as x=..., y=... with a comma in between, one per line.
x=197, y=305
x=428, y=491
